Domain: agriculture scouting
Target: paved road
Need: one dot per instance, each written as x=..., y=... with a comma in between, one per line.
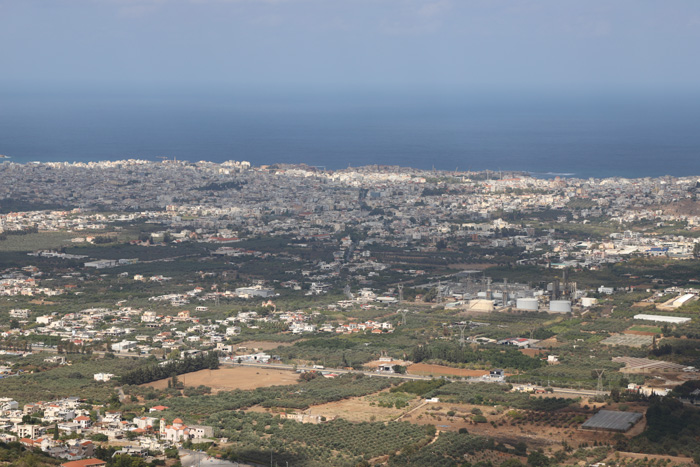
x=201, y=459
x=282, y=366
x=122, y=396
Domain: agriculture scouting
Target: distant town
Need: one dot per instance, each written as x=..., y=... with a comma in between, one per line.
x=177, y=313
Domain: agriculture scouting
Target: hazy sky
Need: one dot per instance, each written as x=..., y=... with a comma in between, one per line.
x=363, y=43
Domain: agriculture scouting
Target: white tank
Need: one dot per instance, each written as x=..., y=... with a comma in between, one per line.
x=530, y=304
x=560, y=306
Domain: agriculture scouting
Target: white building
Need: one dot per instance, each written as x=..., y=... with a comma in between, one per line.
x=103, y=376
x=123, y=346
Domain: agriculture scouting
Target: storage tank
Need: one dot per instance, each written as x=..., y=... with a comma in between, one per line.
x=560, y=306
x=530, y=304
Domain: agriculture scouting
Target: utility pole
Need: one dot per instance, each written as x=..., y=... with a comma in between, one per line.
x=400, y=287
x=599, y=388
x=461, y=327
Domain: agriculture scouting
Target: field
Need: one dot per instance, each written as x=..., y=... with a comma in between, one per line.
x=425, y=369
x=37, y=241
x=622, y=458
x=228, y=379
x=537, y=429
x=649, y=329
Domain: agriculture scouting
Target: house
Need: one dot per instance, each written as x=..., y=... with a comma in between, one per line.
x=123, y=346
x=28, y=431
x=178, y=431
x=496, y=374
x=149, y=317
x=258, y=357
x=7, y=403
x=69, y=427
x=46, y=319
x=82, y=421
x=104, y=377
x=145, y=423
x=29, y=409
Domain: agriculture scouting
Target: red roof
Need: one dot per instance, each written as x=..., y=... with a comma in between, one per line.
x=85, y=463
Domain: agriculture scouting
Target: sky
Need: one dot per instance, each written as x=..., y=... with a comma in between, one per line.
x=351, y=43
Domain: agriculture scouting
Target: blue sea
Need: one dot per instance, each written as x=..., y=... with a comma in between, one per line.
x=599, y=134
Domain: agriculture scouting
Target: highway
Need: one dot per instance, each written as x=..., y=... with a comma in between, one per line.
x=282, y=366
x=286, y=367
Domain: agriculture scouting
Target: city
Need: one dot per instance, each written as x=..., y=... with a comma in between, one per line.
x=153, y=310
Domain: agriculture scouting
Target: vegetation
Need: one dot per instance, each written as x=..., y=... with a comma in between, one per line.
x=48, y=383
x=496, y=394
x=672, y=429
x=257, y=436
x=202, y=361
x=419, y=387
x=447, y=450
x=301, y=396
x=489, y=357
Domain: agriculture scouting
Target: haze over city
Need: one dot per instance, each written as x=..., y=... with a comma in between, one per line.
x=349, y=233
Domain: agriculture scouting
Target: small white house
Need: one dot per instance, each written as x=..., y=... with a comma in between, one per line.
x=104, y=377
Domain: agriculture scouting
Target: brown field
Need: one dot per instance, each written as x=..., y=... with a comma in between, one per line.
x=532, y=352
x=642, y=304
x=228, y=379
x=255, y=346
x=426, y=369
x=551, y=342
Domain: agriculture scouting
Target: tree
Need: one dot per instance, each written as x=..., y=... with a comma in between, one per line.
x=122, y=460
x=696, y=251
x=537, y=459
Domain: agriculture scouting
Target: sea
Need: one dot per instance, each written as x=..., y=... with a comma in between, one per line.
x=571, y=134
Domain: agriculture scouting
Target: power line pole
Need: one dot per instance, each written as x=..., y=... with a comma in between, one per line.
x=599, y=388
x=462, y=327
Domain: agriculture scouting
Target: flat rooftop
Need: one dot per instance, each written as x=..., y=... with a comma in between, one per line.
x=662, y=319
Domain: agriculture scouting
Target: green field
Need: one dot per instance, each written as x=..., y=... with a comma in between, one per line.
x=37, y=241
x=654, y=329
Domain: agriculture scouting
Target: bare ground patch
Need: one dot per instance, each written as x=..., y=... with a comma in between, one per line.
x=228, y=379
x=672, y=460
x=426, y=369
x=355, y=409
x=256, y=346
